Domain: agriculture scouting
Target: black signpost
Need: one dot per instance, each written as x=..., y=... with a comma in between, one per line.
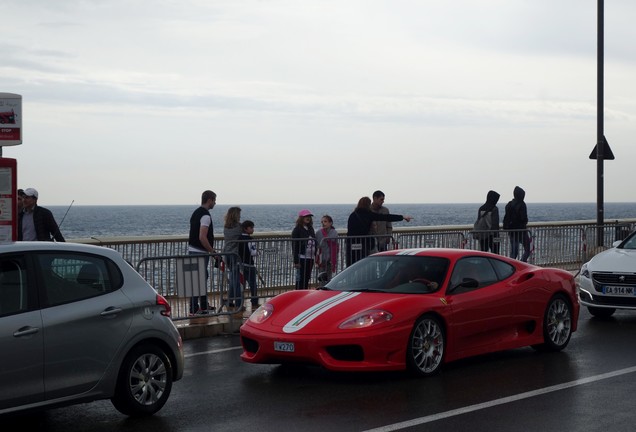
x=602, y=149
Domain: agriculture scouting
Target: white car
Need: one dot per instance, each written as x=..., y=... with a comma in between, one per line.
x=608, y=281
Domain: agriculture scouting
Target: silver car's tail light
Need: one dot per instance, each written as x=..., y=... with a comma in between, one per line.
x=167, y=310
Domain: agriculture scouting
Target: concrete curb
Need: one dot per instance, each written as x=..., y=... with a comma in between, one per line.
x=195, y=328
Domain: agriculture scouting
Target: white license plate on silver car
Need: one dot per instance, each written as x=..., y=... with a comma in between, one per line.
x=284, y=346
x=619, y=290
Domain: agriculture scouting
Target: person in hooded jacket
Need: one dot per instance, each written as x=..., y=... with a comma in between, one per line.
x=490, y=213
x=516, y=222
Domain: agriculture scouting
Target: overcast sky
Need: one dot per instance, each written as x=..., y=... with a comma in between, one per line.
x=321, y=101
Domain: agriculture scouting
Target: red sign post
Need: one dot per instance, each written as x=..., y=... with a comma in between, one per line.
x=10, y=135
x=8, y=200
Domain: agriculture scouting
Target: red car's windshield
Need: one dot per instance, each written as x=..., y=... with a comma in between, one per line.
x=393, y=273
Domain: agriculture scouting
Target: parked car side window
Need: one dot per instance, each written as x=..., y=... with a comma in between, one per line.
x=478, y=268
x=13, y=286
x=503, y=269
x=72, y=277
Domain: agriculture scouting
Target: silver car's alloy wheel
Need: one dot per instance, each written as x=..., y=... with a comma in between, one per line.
x=144, y=382
x=148, y=379
x=559, y=322
x=426, y=346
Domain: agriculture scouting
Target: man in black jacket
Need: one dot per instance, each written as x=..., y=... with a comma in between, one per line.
x=36, y=223
x=516, y=222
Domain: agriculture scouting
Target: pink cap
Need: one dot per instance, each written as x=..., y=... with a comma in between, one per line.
x=304, y=212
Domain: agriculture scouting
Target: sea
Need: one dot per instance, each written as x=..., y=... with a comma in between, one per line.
x=95, y=221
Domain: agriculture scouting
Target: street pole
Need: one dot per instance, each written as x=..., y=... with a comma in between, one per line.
x=600, y=134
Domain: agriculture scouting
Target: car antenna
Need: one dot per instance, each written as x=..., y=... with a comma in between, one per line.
x=64, y=217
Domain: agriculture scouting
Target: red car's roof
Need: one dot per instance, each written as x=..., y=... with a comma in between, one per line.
x=438, y=252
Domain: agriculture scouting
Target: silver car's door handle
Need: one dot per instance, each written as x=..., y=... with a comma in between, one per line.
x=26, y=331
x=111, y=311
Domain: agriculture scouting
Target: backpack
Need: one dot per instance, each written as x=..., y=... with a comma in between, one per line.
x=482, y=224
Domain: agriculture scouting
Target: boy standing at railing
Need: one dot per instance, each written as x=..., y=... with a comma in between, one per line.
x=247, y=251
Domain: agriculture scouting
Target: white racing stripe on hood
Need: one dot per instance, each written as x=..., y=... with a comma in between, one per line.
x=411, y=251
x=315, y=311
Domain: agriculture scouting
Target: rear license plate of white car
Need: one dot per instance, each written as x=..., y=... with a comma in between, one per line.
x=619, y=290
x=284, y=346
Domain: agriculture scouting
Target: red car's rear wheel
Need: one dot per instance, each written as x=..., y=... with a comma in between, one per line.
x=557, y=325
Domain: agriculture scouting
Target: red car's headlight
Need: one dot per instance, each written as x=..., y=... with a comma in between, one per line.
x=366, y=319
x=262, y=313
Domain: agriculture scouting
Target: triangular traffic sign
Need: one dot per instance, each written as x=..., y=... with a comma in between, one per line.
x=607, y=151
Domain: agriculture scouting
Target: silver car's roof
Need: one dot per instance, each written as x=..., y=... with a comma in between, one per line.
x=26, y=246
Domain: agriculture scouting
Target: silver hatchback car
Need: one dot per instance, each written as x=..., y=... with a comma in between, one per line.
x=77, y=324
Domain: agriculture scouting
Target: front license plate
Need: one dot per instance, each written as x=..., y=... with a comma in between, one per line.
x=618, y=290
x=284, y=346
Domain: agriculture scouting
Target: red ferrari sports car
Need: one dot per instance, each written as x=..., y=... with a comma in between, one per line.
x=416, y=309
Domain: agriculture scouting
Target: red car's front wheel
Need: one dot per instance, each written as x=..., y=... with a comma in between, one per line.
x=425, y=351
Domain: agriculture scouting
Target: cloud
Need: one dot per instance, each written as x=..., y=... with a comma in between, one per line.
x=438, y=100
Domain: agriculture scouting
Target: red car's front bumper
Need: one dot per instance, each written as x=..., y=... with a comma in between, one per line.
x=369, y=350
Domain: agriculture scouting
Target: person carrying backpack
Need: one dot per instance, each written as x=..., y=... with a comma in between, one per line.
x=487, y=224
x=516, y=222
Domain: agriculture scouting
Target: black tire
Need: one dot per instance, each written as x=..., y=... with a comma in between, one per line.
x=601, y=312
x=557, y=324
x=426, y=346
x=144, y=382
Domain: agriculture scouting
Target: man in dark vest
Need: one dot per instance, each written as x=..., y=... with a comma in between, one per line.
x=201, y=241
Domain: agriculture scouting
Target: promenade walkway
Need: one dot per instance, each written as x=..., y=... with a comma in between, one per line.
x=565, y=244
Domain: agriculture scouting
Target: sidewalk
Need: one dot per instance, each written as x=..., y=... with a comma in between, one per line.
x=218, y=321
x=211, y=325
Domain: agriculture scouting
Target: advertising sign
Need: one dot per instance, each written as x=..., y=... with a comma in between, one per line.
x=8, y=200
x=10, y=119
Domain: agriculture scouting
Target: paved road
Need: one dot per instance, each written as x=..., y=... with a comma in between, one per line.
x=588, y=387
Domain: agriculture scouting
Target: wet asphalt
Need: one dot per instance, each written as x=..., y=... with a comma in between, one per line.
x=590, y=386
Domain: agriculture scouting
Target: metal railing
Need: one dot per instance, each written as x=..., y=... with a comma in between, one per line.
x=564, y=245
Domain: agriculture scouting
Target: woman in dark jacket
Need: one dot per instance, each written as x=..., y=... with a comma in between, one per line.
x=359, y=242
x=303, y=248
